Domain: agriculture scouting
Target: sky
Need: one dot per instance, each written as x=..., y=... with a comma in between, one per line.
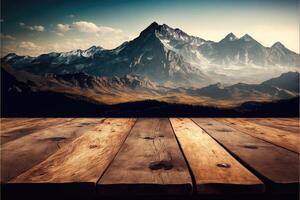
x=34, y=27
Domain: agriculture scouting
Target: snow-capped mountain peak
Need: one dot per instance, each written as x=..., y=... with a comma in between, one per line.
x=169, y=55
x=229, y=37
x=9, y=56
x=247, y=38
x=90, y=52
x=278, y=45
x=150, y=29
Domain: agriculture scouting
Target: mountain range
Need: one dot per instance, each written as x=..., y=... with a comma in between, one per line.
x=162, y=67
x=21, y=99
x=170, y=57
x=132, y=88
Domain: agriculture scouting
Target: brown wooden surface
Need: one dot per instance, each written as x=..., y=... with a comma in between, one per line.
x=276, y=136
x=59, y=156
x=149, y=162
x=21, y=154
x=291, y=125
x=278, y=165
x=84, y=159
x=208, y=161
x=12, y=128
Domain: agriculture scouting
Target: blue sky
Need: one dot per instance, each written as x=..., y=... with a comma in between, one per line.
x=33, y=27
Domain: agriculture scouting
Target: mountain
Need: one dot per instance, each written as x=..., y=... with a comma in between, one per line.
x=288, y=81
x=172, y=57
x=19, y=100
x=283, y=87
x=132, y=88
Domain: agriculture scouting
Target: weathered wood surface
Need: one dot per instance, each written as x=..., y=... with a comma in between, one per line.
x=73, y=155
x=291, y=125
x=21, y=154
x=214, y=169
x=278, y=165
x=84, y=159
x=12, y=128
x=275, y=136
x=149, y=162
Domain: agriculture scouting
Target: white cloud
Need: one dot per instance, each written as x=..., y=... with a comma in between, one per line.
x=34, y=48
x=89, y=27
x=38, y=28
x=7, y=37
x=106, y=37
x=28, y=45
x=62, y=28
x=86, y=27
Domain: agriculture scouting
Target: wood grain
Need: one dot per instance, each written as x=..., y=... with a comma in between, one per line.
x=149, y=162
x=276, y=136
x=84, y=159
x=12, y=128
x=291, y=125
x=214, y=169
x=21, y=154
x=277, y=166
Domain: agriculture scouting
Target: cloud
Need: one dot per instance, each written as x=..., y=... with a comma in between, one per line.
x=28, y=45
x=104, y=36
x=38, y=28
x=89, y=27
x=84, y=27
x=62, y=28
x=7, y=37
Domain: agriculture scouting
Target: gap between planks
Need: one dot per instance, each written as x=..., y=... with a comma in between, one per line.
x=266, y=160
x=214, y=169
x=275, y=136
x=80, y=163
x=148, y=163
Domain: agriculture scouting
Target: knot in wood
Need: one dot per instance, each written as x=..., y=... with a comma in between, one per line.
x=223, y=165
x=163, y=164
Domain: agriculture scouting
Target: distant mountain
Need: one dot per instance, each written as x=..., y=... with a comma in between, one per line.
x=247, y=51
x=19, y=100
x=172, y=57
x=283, y=87
x=132, y=88
x=288, y=81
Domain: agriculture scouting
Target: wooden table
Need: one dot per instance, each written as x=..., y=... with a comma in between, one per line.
x=156, y=157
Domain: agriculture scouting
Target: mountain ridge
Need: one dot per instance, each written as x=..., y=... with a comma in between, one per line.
x=113, y=90
x=169, y=55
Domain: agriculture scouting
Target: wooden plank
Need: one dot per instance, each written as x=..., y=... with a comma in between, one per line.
x=277, y=166
x=286, y=124
x=149, y=163
x=275, y=136
x=21, y=154
x=12, y=129
x=85, y=158
x=214, y=169
x=76, y=168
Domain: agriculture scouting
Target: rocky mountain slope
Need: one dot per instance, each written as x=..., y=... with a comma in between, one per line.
x=21, y=101
x=131, y=88
x=171, y=57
